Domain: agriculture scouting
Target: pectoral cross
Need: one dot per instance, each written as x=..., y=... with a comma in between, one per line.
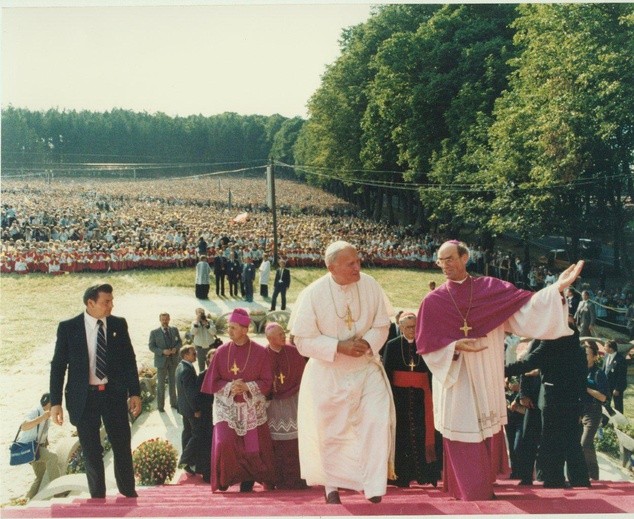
x=349, y=320
x=465, y=328
x=234, y=369
x=411, y=364
x=281, y=377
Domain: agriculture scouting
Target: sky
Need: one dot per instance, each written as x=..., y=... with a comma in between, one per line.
x=179, y=59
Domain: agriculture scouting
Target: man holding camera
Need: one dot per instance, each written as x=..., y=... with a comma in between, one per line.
x=203, y=332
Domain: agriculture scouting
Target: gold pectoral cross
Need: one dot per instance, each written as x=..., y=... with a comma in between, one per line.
x=281, y=377
x=465, y=328
x=234, y=369
x=349, y=320
x=411, y=364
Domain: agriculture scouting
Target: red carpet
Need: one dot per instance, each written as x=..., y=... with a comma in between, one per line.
x=193, y=499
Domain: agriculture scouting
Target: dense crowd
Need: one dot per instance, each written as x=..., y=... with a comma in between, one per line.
x=119, y=225
x=100, y=225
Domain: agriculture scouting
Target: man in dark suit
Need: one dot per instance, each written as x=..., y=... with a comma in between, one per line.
x=248, y=277
x=220, y=271
x=165, y=341
x=281, y=284
x=563, y=377
x=187, y=406
x=103, y=384
x=616, y=372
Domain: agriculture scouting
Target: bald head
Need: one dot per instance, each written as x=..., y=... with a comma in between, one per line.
x=452, y=259
x=275, y=335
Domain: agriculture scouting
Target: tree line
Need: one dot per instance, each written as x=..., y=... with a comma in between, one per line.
x=500, y=118
x=61, y=138
x=503, y=118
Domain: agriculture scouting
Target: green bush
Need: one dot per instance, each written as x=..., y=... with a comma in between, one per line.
x=154, y=462
x=607, y=442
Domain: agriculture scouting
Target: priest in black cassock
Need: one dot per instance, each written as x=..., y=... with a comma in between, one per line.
x=418, y=444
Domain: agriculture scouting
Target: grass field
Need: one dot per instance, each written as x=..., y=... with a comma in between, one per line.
x=32, y=306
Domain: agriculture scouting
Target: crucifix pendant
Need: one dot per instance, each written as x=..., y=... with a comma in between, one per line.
x=281, y=377
x=349, y=320
x=411, y=364
x=465, y=328
x=234, y=369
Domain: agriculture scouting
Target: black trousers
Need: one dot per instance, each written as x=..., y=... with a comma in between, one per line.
x=281, y=291
x=561, y=445
x=190, y=442
x=110, y=406
x=526, y=451
x=220, y=284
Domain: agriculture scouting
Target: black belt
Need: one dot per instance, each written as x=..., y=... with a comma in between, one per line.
x=97, y=387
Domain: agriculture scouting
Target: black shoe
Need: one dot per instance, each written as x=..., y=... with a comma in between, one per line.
x=375, y=499
x=333, y=498
x=585, y=484
x=206, y=478
x=525, y=483
x=161, y=410
x=131, y=494
x=223, y=488
x=246, y=486
x=563, y=484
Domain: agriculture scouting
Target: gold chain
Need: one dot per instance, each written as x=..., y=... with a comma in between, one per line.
x=411, y=364
x=347, y=317
x=235, y=369
x=465, y=328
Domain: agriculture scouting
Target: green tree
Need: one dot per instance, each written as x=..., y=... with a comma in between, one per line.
x=561, y=144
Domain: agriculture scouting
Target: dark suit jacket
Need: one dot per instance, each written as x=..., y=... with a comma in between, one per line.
x=563, y=367
x=71, y=353
x=158, y=343
x=220, y=266
x=187, y=389
x=284, y=280
x=617, y=373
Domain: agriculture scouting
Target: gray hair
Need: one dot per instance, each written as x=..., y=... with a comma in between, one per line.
x=335, y=248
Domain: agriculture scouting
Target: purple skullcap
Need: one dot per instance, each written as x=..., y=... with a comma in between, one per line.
x=241, y=317
x=271, y=326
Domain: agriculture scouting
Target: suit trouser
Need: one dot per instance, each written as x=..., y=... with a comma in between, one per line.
x=561, y=445
x=526, y=451
x=591, y=421
x=47, y=462
x=168, y=371
x=281, y=291
x=190, y=441
x=111, y=407
x=220, y=284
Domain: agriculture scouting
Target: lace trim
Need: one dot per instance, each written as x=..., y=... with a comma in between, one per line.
x=240, y=416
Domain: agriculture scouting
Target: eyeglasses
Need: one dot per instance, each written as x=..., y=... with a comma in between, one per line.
x=446, y=261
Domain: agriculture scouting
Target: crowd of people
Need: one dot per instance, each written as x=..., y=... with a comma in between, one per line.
x=300, y=412
x=58, y=228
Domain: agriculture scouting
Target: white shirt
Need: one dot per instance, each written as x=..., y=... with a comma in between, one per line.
x=39, y=432
x=92, y=329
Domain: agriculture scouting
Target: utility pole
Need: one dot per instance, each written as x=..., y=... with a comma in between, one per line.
x=270, y=182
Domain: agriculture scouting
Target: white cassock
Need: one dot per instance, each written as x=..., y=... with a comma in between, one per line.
x=346, y=415
x=468, y=393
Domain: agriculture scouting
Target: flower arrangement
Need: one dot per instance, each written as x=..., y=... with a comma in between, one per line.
x=77, y=462
x=154, y=462
x=146, y=372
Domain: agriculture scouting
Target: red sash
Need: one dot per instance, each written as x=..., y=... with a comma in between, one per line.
x=421, y=381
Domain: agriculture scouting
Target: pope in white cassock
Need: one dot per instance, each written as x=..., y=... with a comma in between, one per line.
x=346, y=418
x=460, y=335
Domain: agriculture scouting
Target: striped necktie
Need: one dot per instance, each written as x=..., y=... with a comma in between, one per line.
x=101, y=365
